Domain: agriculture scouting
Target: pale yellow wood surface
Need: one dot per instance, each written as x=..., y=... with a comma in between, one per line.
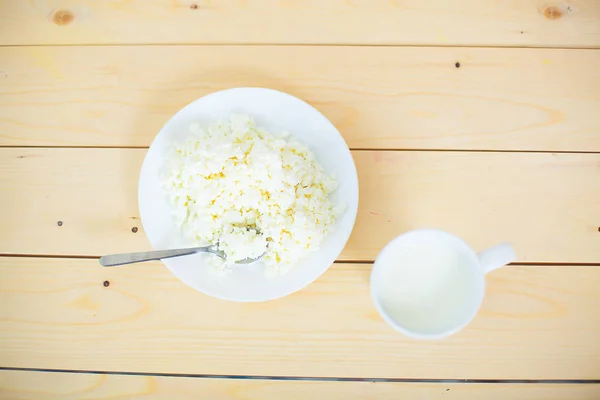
x=546, y=204
x=399, y=79
x=535, y=323
x=378, y=97
x=25, y=385
x=464, y=22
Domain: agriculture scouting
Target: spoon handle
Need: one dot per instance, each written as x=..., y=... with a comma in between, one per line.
x=130, y=258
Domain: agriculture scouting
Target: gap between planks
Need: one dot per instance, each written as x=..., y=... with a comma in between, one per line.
x=308, y=378
x=331, y=44
x=517, y=264
x=351, y=149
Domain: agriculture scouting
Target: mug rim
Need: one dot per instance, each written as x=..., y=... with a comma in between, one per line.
x=397, y=326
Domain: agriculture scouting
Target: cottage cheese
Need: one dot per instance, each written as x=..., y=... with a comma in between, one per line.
x=250, y=192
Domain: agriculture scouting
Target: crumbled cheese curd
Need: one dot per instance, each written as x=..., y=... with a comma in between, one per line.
x=250, y=192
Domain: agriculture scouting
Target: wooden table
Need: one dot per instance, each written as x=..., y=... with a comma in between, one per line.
x=478, y=117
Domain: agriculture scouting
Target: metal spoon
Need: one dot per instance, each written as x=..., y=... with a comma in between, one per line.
x=130, y=258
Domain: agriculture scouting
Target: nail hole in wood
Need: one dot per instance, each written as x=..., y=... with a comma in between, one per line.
x=134, y=229
x=457, y=65
x=599, y=229
x=106, y=283
x=194, y=6
x=59, y=223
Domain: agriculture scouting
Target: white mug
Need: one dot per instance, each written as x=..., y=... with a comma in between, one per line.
x=429, y=284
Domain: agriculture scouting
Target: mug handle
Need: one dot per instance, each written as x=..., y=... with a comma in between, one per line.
x=496, y=257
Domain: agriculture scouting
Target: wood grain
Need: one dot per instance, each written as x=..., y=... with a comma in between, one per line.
x=547, y=205
x=378, y=97
x=25, y=385
x=574, y=23
x=535, y=323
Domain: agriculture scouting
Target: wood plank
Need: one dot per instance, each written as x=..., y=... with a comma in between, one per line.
x=378, y=97
x=26, y=385
x=535, y=323
x=546, y=204
x=573, y=23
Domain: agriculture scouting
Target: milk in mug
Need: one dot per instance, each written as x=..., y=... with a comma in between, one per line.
x=429, y=284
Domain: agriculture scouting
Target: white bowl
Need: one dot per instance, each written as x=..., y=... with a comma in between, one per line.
x=275, y=111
